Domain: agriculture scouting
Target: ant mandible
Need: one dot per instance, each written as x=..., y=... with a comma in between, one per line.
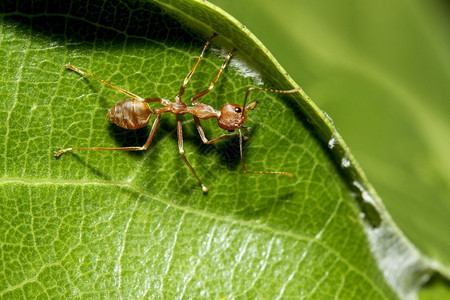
x=134, y=113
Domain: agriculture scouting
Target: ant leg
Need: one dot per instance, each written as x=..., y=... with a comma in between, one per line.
x=203, y=93
x=181, y=150
x=148, y=100
x=203, y=136
x=70, y=67
x=257, y=172
x=143, y=147
x=189, y=75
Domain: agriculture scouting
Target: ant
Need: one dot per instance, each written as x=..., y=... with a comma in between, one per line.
x=134, y=113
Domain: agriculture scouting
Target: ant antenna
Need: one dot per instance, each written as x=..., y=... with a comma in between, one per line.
x=267, y=90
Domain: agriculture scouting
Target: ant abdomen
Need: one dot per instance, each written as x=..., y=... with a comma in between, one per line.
x=130, y=114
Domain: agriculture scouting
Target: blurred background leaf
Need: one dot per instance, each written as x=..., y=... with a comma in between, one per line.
x=381, y=70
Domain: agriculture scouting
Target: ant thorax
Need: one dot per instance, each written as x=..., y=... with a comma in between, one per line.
x=200, y=110
x=203, y=111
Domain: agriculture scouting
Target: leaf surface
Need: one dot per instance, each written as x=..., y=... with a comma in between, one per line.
x=121, y=224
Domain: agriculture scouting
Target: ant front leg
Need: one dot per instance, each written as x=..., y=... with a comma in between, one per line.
x=257, y=172
x=181, y=150
x=189, y=75
x=201, y=132
x=203, y=93
x=142, y=148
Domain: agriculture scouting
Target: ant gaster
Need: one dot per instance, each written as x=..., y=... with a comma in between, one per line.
x=134, y=113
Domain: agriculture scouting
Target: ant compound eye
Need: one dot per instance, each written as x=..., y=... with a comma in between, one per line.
x=237, y=109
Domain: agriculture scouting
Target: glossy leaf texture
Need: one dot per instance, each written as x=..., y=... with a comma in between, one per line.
x=137, y=225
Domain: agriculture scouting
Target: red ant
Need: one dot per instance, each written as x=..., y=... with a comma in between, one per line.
x=134, y=113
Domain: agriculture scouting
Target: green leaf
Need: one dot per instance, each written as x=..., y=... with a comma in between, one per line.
x=120, y=224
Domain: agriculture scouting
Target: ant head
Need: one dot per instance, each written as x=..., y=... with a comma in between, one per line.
x=232, y=115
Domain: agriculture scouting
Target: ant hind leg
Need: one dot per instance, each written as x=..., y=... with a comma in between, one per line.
x=70, y=67
x=135, y=148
